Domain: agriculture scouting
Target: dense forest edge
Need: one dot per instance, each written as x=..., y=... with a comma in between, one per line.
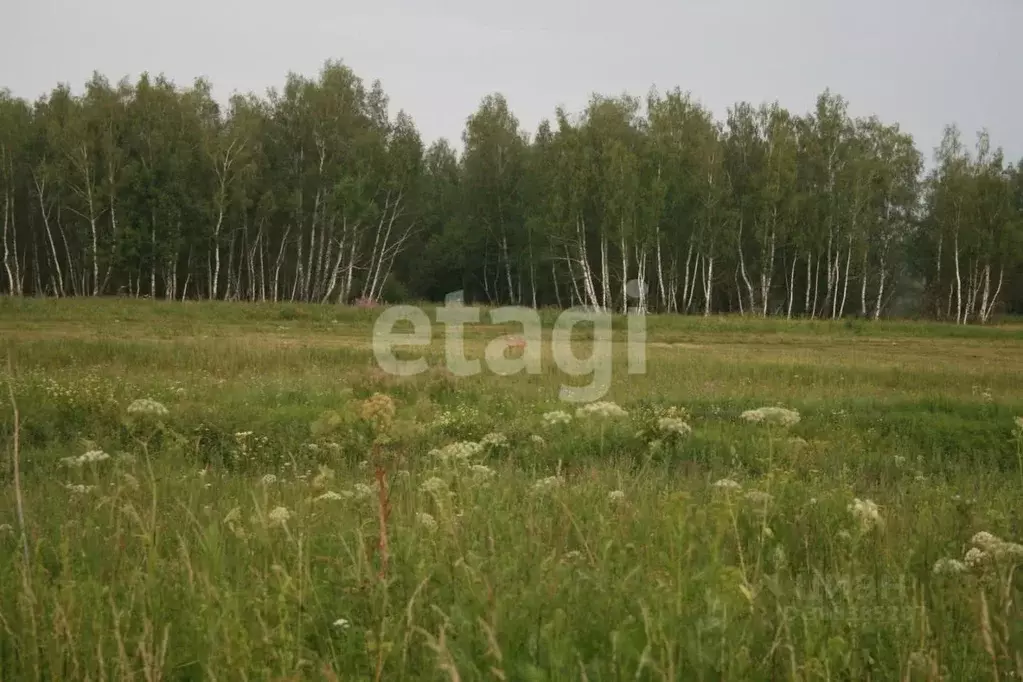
x=316, y=193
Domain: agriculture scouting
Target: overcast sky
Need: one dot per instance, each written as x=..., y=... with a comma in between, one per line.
x=922, y=63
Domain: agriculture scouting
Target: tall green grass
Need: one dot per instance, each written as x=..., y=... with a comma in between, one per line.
x=238, y=536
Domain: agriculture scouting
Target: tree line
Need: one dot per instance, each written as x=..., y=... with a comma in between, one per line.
x=315, y=192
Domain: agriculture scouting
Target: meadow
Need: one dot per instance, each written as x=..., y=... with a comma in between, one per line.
x=227, y=491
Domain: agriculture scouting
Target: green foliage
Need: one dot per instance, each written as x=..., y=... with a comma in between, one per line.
x=315, y=192
x=237, y=534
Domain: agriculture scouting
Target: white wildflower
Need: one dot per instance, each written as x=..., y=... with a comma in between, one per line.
x=948, y=567
x=985, y=540
x=279, y=515
x=89, y=457
x=427, y=521
x=759, y=497
x=899, y=460
x=242, y=435
x=329, y=495
x=975, y=557
x=548, y=483
x=78, y=488
x=537, y=440
x=434, y=485
x=727, y=484
x=363, y=491
x=482, y=472
x=342, y=624
x=147, y=406
x=601, y=408
x=616, y=495
x=269, y=479
x=94, y=456
x=996, y=547
x=458, y=453
x=778, y=416
x=674, y=412
x=556, y=417
x=6, y=528
x=674, y=425
x=1010, y=550
x=866, y=512
x=494, y=440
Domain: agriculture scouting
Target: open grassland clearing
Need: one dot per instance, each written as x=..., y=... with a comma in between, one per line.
x=202, y=495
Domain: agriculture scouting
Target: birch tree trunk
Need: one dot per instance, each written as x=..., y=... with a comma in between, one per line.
x=707, y=284
x=45, y=211
x=958, y=283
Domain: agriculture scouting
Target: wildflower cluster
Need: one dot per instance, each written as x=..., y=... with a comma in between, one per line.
x=949, y=567
x=602, y=409
x=426, y=521
x=331, y=495
x=672, y=426
x=147, y=407
x=457, y=453
x=866, y=513
x=279, y=516
x=85, y=389
x=992, y=548
x=481, y=473
x=556, y=417
x=90, y=457
x=759, y=498
x=772, y=416
x=494, y=441
x=251, y=447
x=987, y=549
x=548, y=483
x=461, y=419
x=378, y=410
x=434, y=485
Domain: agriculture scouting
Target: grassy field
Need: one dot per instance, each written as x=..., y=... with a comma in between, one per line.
x=202, y=500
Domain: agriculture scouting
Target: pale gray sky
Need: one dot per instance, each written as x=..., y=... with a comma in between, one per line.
x=922, y=63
